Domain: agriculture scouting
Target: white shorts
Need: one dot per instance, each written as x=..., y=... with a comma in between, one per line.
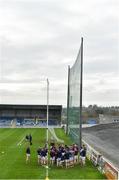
x=28, y=155
x=58, y=159
x=71, y=158
x=44, y=158
x=39, y=156
x=52, y=158
x=66, y=160
x=83, y=158
x=76, y=157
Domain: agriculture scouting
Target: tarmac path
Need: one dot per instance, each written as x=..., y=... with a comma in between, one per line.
x=105, y=139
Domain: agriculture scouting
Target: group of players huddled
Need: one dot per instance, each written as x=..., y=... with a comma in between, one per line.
x=61, y=155
x=64, y=155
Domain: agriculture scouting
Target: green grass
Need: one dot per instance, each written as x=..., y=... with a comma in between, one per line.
x=12, y=162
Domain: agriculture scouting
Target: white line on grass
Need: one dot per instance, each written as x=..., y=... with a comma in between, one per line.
x=20, y=141
x=2, y=154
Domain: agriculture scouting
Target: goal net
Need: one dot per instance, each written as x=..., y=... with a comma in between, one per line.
x=74, y=101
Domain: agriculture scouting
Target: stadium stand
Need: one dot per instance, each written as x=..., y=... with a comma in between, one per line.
x=5, y=122
x=30, y=115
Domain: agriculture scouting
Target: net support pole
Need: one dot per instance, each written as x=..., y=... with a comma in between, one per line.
x=81, y=85
x=68, y=100
x=47, y=125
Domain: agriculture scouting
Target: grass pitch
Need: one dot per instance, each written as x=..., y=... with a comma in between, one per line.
x=12, y=157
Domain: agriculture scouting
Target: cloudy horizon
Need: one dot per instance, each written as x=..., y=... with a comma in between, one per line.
x=40, y=38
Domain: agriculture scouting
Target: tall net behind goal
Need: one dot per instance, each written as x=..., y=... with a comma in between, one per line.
x=74, y=98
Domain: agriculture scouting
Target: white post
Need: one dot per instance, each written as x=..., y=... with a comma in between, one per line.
x=47, y=125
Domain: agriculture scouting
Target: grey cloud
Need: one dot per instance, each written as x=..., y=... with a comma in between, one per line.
x=104, y=97
x=38, y=39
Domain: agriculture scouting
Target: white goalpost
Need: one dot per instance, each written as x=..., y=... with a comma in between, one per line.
x=47, y=173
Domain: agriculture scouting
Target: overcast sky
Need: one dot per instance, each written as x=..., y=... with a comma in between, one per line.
x=40, y=38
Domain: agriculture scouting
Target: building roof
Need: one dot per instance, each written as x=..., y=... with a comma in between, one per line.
x=26, y=106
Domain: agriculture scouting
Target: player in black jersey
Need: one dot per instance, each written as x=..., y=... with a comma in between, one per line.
x=28, y=153
x=39, y=155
